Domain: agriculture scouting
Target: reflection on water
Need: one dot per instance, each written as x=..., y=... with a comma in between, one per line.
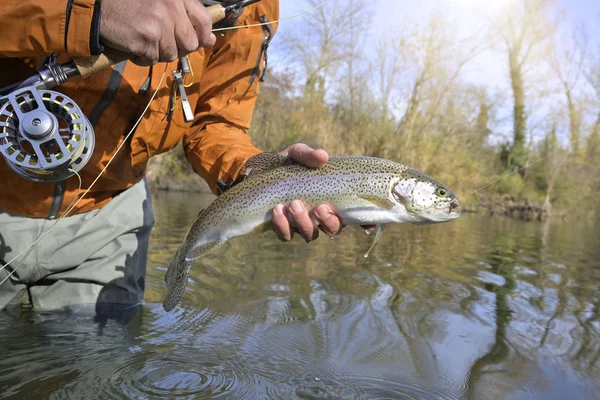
x=478, y=308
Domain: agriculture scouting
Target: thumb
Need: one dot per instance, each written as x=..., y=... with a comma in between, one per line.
x=305, y=155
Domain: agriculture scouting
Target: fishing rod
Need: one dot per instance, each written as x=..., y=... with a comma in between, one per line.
x=44, y=135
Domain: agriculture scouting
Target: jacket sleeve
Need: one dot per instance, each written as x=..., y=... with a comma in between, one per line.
x=39, y=27
x=218, y=144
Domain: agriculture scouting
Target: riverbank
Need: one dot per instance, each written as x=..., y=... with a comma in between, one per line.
x=509, y=206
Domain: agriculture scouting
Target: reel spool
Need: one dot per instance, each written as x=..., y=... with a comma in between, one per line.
x=44, y=135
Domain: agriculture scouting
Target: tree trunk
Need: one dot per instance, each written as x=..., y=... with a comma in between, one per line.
x=516, y=157
x=547, y=207
x=573, y=124
x=483, y=131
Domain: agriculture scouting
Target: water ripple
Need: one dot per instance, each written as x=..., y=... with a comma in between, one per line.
x=180, y=377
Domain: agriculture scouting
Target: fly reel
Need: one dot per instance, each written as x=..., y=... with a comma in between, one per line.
x=44, y=135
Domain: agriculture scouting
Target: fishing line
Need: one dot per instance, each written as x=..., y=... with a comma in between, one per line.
x=276, y=21
x=72, y=207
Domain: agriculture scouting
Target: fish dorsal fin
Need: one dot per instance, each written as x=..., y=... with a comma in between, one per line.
x=264, y=162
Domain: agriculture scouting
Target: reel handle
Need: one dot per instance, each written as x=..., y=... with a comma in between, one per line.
x=88, y=65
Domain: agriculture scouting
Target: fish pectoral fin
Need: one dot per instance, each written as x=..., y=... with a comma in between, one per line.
x=262, y=228
x=375, y=240
x=386, y=204
x=204, y=249
x=262, y=162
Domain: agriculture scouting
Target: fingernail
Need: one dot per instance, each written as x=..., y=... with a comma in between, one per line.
x=278, y=210
x=296, y=207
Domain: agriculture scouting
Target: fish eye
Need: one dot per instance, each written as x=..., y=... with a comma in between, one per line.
x=441, y=192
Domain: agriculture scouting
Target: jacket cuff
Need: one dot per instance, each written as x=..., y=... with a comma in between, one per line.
x=218, y=151
x=95, y=46
x=82, y=33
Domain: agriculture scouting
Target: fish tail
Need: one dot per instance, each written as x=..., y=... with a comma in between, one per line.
x=179, y=272
x=176, y=279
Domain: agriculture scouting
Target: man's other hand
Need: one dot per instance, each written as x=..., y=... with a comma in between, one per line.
x=155, y=30
x=295, y=216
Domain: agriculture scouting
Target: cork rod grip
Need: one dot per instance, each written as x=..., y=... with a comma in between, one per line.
x=89, y=65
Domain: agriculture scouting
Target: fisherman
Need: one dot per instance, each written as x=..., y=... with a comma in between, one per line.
x=98, y=254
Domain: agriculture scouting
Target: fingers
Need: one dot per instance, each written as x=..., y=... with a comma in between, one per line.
x=281, y=225
x=329, y=221
x=186, y=38
x=297, y=218
x=305, y=155
x=155, y=30
x=202, y=23
x=294, y=218
x=301, y=219
x=147, y=57
x=167, y=49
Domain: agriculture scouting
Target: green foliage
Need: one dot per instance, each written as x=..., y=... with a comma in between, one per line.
x=513, y=185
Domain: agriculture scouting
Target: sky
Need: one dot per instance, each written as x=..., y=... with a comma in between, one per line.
x=489, y=69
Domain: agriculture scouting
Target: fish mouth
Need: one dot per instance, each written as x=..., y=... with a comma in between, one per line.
x=453, y=206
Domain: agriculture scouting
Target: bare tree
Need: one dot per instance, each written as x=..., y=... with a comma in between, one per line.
x=388, y=69
x=358, y=23
x=592, y=75
x=522, y=29
x=556, y=162
x=567, y=60
x=324, y=41
x=435, y=58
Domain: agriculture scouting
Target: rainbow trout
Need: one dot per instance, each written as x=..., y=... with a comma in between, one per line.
x=361, y=190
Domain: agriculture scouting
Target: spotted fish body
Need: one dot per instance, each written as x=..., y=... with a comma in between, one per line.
x=362, y=191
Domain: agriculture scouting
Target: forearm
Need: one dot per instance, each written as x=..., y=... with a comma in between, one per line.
x=218, y=145
x=218, y=151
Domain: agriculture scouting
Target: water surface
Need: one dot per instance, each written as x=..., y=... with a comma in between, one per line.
x=479, y=308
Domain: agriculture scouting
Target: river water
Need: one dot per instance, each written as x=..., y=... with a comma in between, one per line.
x=478, y=308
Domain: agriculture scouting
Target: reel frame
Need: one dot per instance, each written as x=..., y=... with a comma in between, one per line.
x=44, y=135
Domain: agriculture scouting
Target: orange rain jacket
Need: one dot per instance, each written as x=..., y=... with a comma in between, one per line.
x=223, y=94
